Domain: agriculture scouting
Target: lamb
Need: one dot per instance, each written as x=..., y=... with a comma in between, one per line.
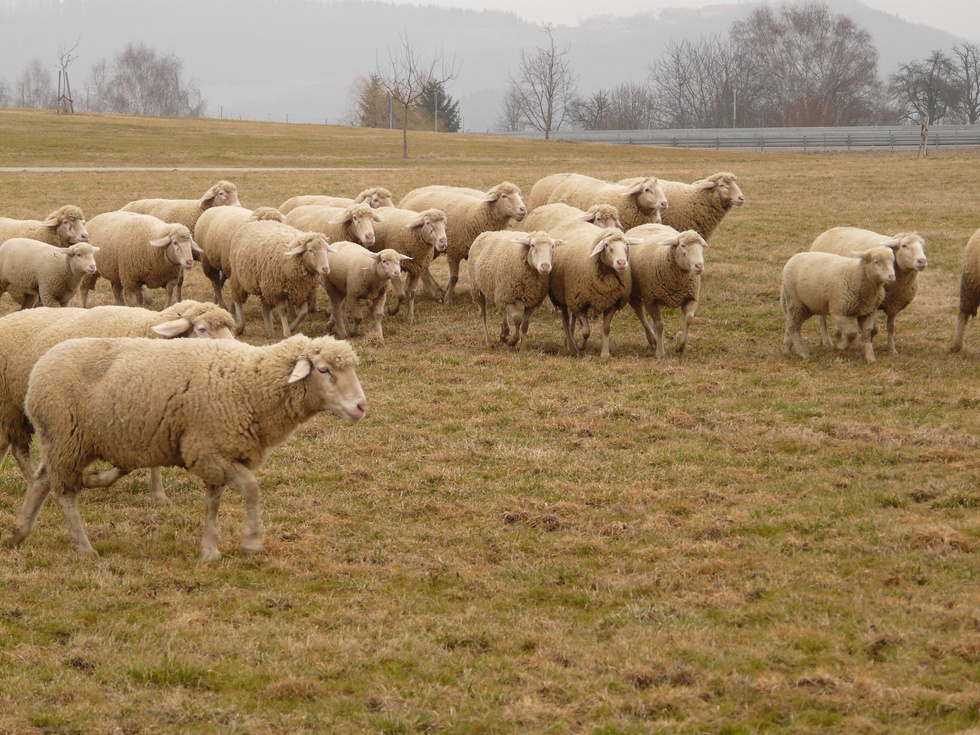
x=187, y=211
x=467, y=215
x=847, y=289
x=30, y=269
x=700, y=206
x=590, y=272
x=666, y=266
x=138, y=250
x=418, y=235
x=548, y=216
x=26, y=335
x=279, y=264
x=354, y=223
x=639, y=204
x=213, y=234
x=910, y=259
x=216, y=408
x=969, y=289
x=357, y=274
x=512, y=271
x=63, y=227
x=376, y=197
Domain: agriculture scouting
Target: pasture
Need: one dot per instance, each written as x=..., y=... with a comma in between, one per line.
x=734, y=541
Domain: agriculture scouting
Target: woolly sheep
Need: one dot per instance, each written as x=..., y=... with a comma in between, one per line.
x=354, y=223
x=26, y=335
x=213, y=234
x=590, y=272
x=187, y=211
x=969, y=289
x=700, y=206
x=357, y=274
x=666, y=266
x=279, y=264
x=910, y=259
x=63, y=227
x=542, y=189
x=848, y=289
x=376, y=197
x=418, y=235
x=467, y=215
x=138, y=250
x=548, y=216
x=639, y=204
x=216, y=408
x=30, y=269
x=511, y=270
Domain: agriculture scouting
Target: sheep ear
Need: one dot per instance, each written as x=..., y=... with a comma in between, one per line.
x=598, y=248
x=196, y=248
x=298, y=250
x=173, y=328
x=51, y=222
x=95, y=249
x=402, y=256
x=671, y=242
x=301, y=370
x=893, y=244
x=557, y=243
x=377, y=217
x=331, y=248
x=161, y=243
x=633, y=190
x=525, y=241
x=209, y=196
x=417, y=222
x=587, y=217
x=864, y=255
x=706, y=184
x=491, y=197
x=373, y=256
x=342, y=219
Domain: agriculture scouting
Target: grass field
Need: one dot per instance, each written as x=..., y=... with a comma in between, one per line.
x=735, y=541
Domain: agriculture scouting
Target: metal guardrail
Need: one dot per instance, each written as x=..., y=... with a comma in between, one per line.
x=762, y=139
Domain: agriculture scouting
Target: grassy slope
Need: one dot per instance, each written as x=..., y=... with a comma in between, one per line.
x=734, y=541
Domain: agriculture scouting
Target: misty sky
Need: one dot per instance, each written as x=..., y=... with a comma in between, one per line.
x=959, y=17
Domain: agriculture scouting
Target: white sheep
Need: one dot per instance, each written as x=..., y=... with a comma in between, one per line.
x=354, y=223
x=187, y=211
x=31, y=270
x=666, y=266
x=279, y=264
x=467, y=215
x=513, y=271
x=376, y=197
x=700, y=206
x=63, y=227
x=548, y=216
x=26, y=335
x=217, y=408
x=137, y=250
x=542, y=189
x=356, y=275
x=848, y=289
x=213, y=234
x=641, y=203
x=910, y=259
x=969, y=290
x=590, y=272
x=419, y=235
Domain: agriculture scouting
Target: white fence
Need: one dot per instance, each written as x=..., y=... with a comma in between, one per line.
x=763, y=139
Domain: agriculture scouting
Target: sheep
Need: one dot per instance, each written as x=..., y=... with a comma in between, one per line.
x=467, y=215
x=32, y=270
x=376, y=197
x=213, y=234
x=641, y=203
x=138, y=250
x=216, y=408
x=354, y=223
x=513, y=271
x=418, y=235
x=848, y=289
x=540, y=193
x=548, y=216
x=969, y=290
x=700, y=206
x=357, y=274
x=279, y=264
x=26, y=335
x=590, y=272
x=666, y=266
x=63, y=227
x=910, y=259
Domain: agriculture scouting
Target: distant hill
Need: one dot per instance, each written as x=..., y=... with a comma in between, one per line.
x=297, y=58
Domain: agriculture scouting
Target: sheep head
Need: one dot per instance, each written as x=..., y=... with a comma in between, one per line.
x=325, y=366
x=68, y=223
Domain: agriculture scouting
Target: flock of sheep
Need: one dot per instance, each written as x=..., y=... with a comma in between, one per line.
x=217, y=407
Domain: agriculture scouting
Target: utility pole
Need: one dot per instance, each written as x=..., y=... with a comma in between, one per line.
x=435, y=111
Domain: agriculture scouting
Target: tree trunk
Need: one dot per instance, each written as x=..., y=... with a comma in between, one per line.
x=405, y=133
x=924, y=138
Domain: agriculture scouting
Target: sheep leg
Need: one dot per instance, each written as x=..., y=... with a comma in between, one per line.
x=379, y=312
x=301, y=313
x=824, y=334
x=26, y=300
x=410, y=290
x=123, y=295
x=67, y=497
x=890, y=325
x=453, y=280
x=644, y=322
x=241, y=478
x=606, y=327
x=84, y=286
x=239, y=319
x=847, y=333
x=146, y=298
x=481, y=302
x=689, y=308
x=583, y=319
x=209, y=532
x=961, y=322
x=217, y=284
x=526, y=322
x=656, y=315
x=337, y=311
x=793, y=338
x=865, y=323
x=104, y=479
x=37, y=493
x=270, y=331
x=398, y=295
x=569, y=326
x=22, y=455
x=173, y=290
x=514, y=314
x=356, y=311
x=432, y=286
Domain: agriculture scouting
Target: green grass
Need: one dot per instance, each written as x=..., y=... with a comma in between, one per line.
x=733, y=541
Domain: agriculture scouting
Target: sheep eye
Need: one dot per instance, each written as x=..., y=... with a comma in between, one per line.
x=324, y=369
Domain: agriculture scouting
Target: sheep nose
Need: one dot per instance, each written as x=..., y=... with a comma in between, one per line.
x=664, y=205
x=739, y=201
x=92, y=268
x=325, y=270
x=544, y=267
x=698, y=267
x=442, y=245
x=188, y=262
x=621, y=264
x=84, y=238
x=921, y=263
x=369, y=238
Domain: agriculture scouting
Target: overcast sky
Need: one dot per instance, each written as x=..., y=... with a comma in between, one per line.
x=959, y=17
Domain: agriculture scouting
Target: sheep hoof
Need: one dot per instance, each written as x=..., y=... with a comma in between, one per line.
x=210, y=555
x=253, y=545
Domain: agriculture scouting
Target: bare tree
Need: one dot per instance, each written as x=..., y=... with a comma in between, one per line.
x=36, y=88
x=966, y=72
x=407, y=79
x=544, y=87
x=511, y=119
x=925, y=90
x=5, y=96
x=65, y=102
x=97, y=87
